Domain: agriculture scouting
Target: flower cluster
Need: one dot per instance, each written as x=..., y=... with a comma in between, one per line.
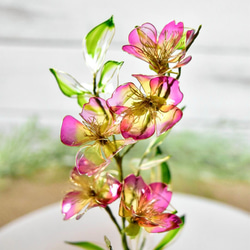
x=110, y=127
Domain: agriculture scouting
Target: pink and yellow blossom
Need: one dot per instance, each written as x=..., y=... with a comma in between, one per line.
x=90, y=192
x=93, y=134
x=160, y=52
x=145, y=205
x=145, y=112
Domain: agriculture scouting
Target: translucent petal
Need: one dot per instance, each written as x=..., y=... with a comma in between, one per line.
x=164, y=222
x=89, y=160
x=97, y=112
x=161, y=196
x=183, y=62
x=171, y=31
x=73, y=203
x=167, y=88
x=121, y=98
x=145, y=83
x=134, y=188
x=135, y=51
x=109, y=191
x=138, y=127
x=111, y=148
x=74, y=133
x=167, y=119
x=141, y=34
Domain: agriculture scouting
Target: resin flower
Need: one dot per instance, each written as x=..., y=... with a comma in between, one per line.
x=91, y=192
x=145, y=206
x=98, y=125
x=145, y=112
x=160, y=52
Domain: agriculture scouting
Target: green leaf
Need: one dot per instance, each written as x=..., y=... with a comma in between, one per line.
x=85, y=245
x=110, y=69
x=170, y=236
x=96, y=44
x=165, y=171
x=81, y=100
x=156, y=142
x=156, y=161
x=68, y=84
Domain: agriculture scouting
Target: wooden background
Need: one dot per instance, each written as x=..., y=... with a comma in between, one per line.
x=37, y=35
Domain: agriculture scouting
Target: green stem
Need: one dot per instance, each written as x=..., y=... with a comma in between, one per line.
x=179, y=73
x=108, y=210
x=124, y=237
x=95, y=92
x=128, y=149
x=118, y=159
x=140, y=163
x=195, y=36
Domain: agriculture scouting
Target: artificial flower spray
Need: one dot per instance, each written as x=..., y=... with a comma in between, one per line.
x=107, y=130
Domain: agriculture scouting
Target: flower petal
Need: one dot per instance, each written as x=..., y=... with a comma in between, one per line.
x=89, y=160
x=168, y=88
x=171, y=31
x=143, y=34
x=133, y=189
x=121, y=98
x=183, y=62
x=145, y=82
x=97, y=111
x=109, y=191
x=165, y=222
x=167, y=118
x=160, y=195
x=135, y=51
x=138, y=127
x=73, y=203
x=74, y=133
x=111, y=148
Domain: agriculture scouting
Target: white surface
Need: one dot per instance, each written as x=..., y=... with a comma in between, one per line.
x=209, y=225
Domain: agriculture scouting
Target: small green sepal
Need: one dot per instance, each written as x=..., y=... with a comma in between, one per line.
x=132, y=230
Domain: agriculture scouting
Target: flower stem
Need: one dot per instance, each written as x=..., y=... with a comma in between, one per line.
x=195, y=36
x=95, y=92
x=108, y=210
x=128, y=149
x=124, y=237
x=118, y=159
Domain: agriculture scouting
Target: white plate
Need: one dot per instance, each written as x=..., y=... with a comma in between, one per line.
x=209, y=225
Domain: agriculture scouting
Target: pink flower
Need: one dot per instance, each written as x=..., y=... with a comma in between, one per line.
x=91, y=192
x=145, y=112
x=145, y=206
x=98, y=125
x=168, y=48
